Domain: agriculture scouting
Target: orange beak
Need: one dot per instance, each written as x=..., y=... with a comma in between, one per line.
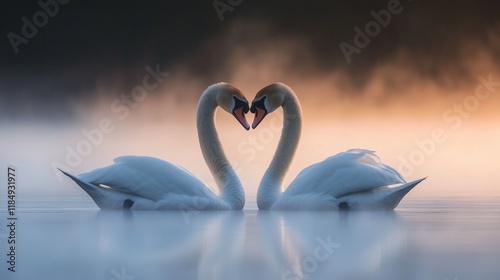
x=259, y=116
x=240, y=116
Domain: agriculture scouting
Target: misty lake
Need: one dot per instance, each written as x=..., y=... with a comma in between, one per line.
x=69, y=238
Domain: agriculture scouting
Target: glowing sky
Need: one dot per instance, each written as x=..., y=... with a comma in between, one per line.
x=424, y=93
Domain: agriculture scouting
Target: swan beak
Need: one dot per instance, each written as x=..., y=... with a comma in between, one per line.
x=259, y=109
x=239, y=114
x=259, y=116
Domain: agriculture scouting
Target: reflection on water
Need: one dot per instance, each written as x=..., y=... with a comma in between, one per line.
x=343, y=245
x=70, y=239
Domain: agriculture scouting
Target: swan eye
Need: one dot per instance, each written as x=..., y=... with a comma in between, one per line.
x=238, y=103
x=258, y=104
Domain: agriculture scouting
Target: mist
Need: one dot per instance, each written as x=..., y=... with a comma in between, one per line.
x=425, y=131
x=429, y=109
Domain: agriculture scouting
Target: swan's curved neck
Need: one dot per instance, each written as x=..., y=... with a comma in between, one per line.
x=231, y=190
x=271, y=184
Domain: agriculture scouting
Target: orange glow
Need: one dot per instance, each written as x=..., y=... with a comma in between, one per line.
x=443, y=128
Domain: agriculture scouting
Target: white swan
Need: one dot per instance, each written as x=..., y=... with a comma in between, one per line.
x=135, y=182
x=355, y=179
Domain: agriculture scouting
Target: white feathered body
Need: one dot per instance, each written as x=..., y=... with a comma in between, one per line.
x=355, y=177
x=151, y=183
x=353, y=180
x=139, y=182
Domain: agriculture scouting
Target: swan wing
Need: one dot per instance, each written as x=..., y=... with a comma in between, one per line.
x=353, y=171
x=148, y=177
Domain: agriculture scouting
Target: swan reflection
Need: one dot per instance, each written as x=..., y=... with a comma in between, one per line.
x=451, y=240
x=337, y=245
x=143, y=244
x=166, y=243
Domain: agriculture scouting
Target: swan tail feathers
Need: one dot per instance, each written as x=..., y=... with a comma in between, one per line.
x=399, y=192
x=94, y=191
x=383, y=198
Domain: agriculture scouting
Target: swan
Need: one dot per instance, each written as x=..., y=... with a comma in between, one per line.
x=146, y=183
x=351, y=180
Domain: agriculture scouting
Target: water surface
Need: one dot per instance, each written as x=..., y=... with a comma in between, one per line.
x=69, y=238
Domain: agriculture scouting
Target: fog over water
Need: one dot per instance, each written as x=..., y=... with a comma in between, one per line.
x=106, y=79
x=436, y=133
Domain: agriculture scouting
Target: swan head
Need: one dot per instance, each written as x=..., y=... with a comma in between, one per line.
x=231, y=100
x=267, y=100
